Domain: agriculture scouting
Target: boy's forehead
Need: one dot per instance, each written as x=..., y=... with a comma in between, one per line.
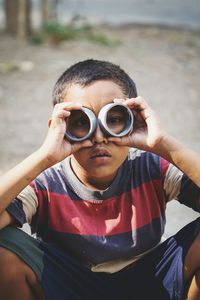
x=97, y=92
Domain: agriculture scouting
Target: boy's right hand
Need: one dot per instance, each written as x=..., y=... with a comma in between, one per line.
x=55, y=147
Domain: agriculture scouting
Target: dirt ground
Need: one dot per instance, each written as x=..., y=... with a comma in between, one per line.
x=164, y=63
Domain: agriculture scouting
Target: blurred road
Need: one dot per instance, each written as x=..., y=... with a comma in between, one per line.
x=173, y=13
x=179, y=13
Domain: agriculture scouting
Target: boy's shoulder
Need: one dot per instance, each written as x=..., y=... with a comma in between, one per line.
x=135, y=153
x=51, y=176
x=144, y=162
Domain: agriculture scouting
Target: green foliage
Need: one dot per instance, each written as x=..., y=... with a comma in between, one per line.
x=56, y=33
x=103, y=40
x=8, y=67
x=36, y=39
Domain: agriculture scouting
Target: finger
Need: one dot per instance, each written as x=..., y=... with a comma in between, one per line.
x=58, y=119
x=137, y=103
x=79, y=145
x=121, y=141
x=61, y=114
x=67, y=106
x=142, y=107
x=118, y=100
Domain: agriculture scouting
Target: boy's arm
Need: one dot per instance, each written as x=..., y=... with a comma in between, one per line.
x=6, y=219
x=54, y=149
x=148, y=134
x=187, y=160
x=15, y=180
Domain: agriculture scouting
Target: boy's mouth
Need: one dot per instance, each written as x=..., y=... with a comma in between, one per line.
x=100, y=153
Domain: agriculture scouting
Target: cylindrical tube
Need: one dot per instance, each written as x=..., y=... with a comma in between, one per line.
x=116, y=119
x=81, y=125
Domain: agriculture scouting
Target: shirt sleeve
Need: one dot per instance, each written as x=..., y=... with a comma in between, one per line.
x=179, y=187
x=24, y=206
x=15, y=209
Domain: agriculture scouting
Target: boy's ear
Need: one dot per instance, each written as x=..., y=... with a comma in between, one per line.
x=49, y=122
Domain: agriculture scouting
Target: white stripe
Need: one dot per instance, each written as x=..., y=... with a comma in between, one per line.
x=172, y=182
x=117, y=265
x=29, y=202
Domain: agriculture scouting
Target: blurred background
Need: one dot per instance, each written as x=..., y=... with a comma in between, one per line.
x=156, y=41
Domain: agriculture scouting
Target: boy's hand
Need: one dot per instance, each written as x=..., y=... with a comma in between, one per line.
x=147, y=131
x=55, y=147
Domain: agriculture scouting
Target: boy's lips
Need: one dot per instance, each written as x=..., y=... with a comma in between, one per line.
x=99, y=153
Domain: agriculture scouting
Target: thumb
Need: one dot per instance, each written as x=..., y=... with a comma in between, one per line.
x=78, y=145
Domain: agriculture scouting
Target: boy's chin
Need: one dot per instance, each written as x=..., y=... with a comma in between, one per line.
x=102, y=173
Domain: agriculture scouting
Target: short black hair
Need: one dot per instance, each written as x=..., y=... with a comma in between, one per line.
x=85, y=72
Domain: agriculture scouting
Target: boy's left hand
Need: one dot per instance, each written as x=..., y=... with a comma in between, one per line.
x=147, y=130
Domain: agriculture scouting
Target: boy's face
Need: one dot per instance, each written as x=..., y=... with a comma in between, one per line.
x=97, y=165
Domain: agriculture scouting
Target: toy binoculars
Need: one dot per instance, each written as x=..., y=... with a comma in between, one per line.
x=114, y=120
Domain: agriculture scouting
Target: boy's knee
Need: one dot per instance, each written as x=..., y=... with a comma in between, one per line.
x=7, y=263
x=13, y=269
x=192, y=259
x=196, y=244
x=15, y=275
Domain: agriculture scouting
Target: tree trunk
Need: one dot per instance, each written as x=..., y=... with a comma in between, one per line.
x=18, y=22
x=46, y=11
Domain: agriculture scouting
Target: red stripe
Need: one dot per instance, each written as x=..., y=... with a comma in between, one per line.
x=42, y=210
x=116, y=215
x=164, y=164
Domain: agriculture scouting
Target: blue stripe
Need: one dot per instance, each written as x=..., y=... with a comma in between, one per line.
x=98, y=249
x=54, y=181
x=189, y=193
x=144, y=168
x=15, y=209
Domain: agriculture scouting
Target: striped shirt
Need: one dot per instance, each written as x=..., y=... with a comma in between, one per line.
x=109, y=229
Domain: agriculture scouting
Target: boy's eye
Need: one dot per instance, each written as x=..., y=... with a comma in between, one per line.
x=115, y=120
x=78, y=119
x=116, y=123
x=78, y=124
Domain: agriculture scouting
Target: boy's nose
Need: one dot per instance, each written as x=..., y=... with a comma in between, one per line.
x=99, y=136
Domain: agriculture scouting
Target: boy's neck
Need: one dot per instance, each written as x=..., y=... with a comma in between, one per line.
x=93, y=183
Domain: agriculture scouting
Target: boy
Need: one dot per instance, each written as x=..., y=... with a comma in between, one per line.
x=98, y=205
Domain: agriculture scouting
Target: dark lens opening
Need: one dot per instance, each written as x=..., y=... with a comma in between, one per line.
x=78, y=124
x=117, y=118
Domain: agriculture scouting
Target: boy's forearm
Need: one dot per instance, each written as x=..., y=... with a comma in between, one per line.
x=15, y=180
x=187, y=160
